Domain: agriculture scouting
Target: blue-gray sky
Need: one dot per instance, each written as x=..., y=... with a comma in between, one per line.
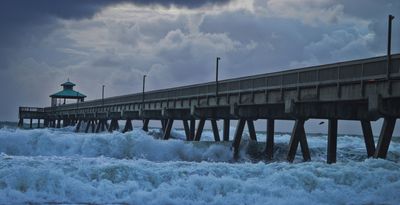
x=175, y=42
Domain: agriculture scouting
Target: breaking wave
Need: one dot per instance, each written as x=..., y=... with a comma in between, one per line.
x=60, y=166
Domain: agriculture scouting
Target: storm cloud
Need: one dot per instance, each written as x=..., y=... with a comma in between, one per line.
x=44, y=42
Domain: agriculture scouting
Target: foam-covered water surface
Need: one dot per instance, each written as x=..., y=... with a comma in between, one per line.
x=60, y=166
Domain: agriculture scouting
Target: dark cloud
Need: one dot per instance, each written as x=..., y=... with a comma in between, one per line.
x=25, y=21
x=13, y=12
x=43, y=42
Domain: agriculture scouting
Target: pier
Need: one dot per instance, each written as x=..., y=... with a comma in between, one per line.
x=364, y=90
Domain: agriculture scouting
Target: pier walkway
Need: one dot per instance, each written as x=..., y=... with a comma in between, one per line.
x=363, y=90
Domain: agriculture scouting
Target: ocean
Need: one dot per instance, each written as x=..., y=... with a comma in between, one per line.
x=59, y=166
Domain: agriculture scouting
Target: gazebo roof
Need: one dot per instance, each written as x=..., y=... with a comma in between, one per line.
x=68, y=94
x=68, y=84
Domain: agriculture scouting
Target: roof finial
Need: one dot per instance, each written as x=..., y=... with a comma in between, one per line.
x=67, y=79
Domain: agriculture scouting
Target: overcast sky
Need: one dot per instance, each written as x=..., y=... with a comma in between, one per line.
x=175, y=42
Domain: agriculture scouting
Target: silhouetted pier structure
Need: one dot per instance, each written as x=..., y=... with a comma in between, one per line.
x=363, y=90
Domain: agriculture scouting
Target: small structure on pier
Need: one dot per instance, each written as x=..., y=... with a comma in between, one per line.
x=68, y=92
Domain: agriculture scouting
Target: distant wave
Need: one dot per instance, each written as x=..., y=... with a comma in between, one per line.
x=138, y=144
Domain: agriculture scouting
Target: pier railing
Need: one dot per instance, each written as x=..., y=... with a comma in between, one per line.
x=31, y=109
x=365, y=70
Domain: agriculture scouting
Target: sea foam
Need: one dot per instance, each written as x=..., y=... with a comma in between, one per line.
x=60, y=166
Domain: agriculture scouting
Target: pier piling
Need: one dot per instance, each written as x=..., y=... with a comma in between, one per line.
x=385, y=137
x=269, y=147
x=368, y=137
x=332, y=141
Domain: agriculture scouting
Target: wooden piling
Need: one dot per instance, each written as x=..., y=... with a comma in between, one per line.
x=215, y=130
x=38, y=123
x=269, y=146
x=226, y=129
x=200, y=127
x=332, y=141
x=385, y=137
x=368, y=138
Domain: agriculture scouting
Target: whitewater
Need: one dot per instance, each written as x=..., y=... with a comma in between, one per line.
x=60, y=166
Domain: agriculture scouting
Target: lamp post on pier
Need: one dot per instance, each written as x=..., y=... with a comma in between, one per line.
x=216, y=80
x=144, y=83
x=389, y=42
x=102, y=95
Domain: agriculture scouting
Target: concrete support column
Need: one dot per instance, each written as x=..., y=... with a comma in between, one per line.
x=199, y=130
x=269, y=147
x=192, y=129
x=252, y=130
x=21, y=122
x=46, y=123
x=385, y=137
x=215, y=130
x=103, y=125
x=38, y=123
x=368, y=138
x=58, y=123
x=30, y=123
x=72, y=122
x=114, y=125
x=98, y=127
x=106, y=124
x=168, y=128
x=88, y=126
x=93, y=125
x=128, y=126
x=238, y=136
x=226, y=129
x=78, y=126
x=163, y=125
x=187, y=130
x=332, y=141
x=145, y=125
x=298, y=136
x=65, y=122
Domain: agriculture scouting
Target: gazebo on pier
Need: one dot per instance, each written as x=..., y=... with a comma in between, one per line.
x=68, y=92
